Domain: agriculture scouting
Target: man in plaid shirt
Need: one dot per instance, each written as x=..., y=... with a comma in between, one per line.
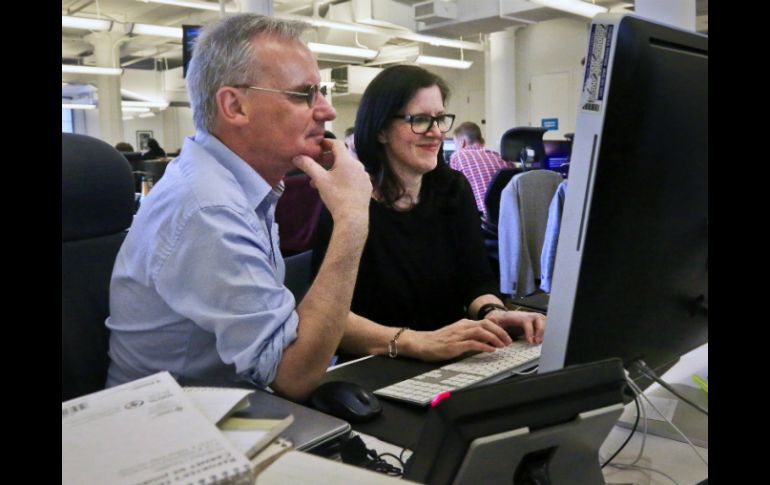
x=477, y=163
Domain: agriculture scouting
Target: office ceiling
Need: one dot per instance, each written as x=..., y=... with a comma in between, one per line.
x=159, y=53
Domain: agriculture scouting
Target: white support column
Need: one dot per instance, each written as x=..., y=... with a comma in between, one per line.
x=500, y=85
x=262, y=7
x=679, y=13
x=110, y=112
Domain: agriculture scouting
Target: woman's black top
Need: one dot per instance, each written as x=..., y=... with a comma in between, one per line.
x=420, y=268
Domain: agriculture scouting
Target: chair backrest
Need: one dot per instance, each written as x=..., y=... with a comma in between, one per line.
x=298, y=274
x=494, y=189
x=155, y=169
x=97, y=209
x=297, y=214
x=516, y=139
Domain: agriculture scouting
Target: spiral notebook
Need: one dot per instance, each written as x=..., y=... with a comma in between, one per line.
x=145, y=431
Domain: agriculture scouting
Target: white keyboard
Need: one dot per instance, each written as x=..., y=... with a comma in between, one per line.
x=483, y=368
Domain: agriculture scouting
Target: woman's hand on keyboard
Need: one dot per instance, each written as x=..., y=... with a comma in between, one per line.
x=455, y=339
x=531, y=324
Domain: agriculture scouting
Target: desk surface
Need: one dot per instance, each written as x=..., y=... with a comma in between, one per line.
x=671, y=457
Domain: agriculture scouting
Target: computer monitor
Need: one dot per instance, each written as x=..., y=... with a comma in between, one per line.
x=189, y=34
x=631, y=272
x=448, y=147
x=557, y=153
x=536, y=429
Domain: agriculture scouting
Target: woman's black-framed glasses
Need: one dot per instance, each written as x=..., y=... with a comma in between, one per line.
x=422, y=124
x=309, y=94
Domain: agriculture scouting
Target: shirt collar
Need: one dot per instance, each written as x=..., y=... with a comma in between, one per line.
x=257, y=190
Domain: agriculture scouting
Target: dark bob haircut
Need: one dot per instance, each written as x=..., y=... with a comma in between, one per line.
x=386, y=96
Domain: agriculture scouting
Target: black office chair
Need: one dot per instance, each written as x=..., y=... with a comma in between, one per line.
x=492, y=203
x=298, y=274
x=154, y=169
x=97, y=209
x=516, y=141
x=494, y=189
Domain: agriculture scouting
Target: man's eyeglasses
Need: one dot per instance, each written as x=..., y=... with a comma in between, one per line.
x=422, y=124
x=309, y=94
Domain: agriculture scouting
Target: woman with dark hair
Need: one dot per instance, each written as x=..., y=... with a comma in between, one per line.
x=424, y=288
x=154, y=150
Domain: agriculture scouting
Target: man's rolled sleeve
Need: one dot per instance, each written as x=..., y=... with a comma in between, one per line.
x=232, y=289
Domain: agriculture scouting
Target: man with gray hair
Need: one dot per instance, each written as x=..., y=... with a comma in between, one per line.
x=197, y=287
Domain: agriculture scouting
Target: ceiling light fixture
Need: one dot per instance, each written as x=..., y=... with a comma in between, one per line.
x=134, y=109
x=214, y=7
x=176, y=32
x=443, y=62
x=85, y=24
x=577, y=7
x=156, y=30
x=140, y=97
x=342, y=50
x=146, y=115
x=73, y=69
x=77, y=106
x=401, y=34
x=144, y=104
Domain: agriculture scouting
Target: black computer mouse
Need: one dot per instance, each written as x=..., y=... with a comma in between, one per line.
x=346, y=400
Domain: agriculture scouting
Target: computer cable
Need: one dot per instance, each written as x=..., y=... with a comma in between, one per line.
x=381, y=465
x=647, y=371
x=679, y=431
x=354, y=452
x=633, y=465
x=638, y=392
x=639, y=467
x=628, y=438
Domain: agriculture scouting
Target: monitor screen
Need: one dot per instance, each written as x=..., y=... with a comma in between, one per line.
x=448, y=147
x=189, y=34
x=631, y=272
x=521, y=426
x=557, y=153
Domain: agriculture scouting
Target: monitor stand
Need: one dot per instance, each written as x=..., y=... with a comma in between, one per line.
x=551, y=456
x=693, y=423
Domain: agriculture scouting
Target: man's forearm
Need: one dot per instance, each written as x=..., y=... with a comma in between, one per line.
x=323, y=312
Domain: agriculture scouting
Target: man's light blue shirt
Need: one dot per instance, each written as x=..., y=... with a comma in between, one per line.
x=197, y=287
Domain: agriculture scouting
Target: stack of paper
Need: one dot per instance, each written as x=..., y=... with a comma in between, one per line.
x=146, y=431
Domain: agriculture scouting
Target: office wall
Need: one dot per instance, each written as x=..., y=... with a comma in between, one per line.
x=546, y=48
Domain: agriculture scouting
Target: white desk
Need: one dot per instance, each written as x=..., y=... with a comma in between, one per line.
x=671, y=457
